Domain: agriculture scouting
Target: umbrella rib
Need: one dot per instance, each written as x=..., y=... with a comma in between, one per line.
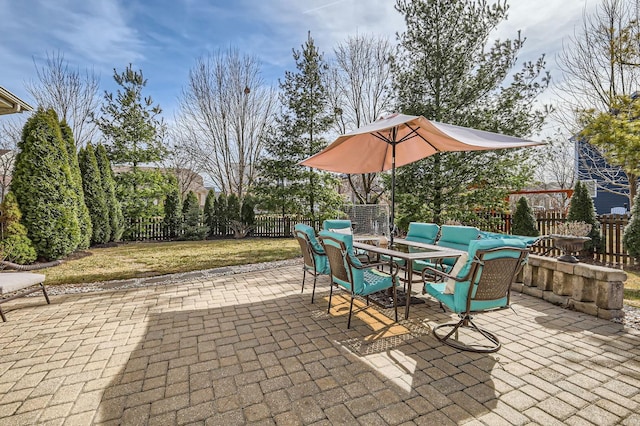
x=382, y=137
x=414, y=132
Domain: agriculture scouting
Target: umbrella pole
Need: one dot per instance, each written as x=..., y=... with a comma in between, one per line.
x=393, y=185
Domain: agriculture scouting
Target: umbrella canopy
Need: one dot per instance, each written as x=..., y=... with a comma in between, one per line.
x=399, y=139
x=369, y=149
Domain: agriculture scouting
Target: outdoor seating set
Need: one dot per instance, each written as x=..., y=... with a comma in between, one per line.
x=461, y=268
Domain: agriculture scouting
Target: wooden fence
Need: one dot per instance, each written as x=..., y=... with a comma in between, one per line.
x=267, y=226
x=612, y=226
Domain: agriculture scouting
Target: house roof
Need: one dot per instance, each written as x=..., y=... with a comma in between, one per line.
x=10, y=103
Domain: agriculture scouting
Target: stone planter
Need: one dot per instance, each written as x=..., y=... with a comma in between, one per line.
x=569, y=244
x=592, y=289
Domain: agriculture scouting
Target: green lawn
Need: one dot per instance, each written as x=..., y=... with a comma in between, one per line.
x=136, y=260
x=632, y=289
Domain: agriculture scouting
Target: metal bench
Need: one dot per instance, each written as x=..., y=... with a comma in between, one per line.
x=19, y=284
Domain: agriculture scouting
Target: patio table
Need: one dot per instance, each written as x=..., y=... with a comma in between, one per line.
x=409, y=251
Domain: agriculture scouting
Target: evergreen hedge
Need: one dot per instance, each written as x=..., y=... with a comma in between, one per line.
x=631, y=237
x=193, y=229
x=173, y=212
x=220, y=209
x=210, y=218
x=84, y=220
x=524, y=221
x=41, y=182
x=94, y=196
x=15, y=245
x=116, y=218
x=582, y=209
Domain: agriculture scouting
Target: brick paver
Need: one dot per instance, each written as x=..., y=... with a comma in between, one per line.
x=250, y=348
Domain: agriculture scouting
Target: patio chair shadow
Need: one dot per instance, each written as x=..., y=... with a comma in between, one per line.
x=285, y=358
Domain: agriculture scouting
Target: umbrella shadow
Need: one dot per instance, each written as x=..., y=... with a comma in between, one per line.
x=287, y=359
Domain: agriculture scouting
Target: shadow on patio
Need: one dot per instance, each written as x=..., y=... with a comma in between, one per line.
x=288, y=360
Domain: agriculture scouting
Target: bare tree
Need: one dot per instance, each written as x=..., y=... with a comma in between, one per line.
x=71, y=93
x=599, y=61
x=358, y=89
x=10, y=134
x=183, y=155
x=228, y=107
x=556, y=169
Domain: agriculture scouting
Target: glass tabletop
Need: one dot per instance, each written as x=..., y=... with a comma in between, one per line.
x=406, y=248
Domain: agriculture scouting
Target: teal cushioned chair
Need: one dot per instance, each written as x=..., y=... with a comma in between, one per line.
x=425, y=233
x=492, y=267
x=349, y=273
x=330, y=224
x=528, y=241
x=315, y=258
x=418, y=232
x=456, y=237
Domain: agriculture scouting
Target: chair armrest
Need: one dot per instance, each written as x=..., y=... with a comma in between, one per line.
x=437, y=274
x=393, y=265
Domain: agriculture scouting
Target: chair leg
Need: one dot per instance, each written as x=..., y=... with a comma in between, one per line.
x=350, y=310
x=46, y=296
x=395, y=301
x=466, y=322
x=304, y=275
x=330, y=294
x=313, y=292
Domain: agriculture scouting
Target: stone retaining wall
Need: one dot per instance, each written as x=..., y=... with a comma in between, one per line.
x=592, y=289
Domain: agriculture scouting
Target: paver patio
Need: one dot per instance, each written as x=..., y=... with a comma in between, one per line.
x=249, y=348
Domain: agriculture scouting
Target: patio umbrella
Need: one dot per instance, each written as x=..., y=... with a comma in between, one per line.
x=399, y=139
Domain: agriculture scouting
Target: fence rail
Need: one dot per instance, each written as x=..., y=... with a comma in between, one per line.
x=268, y=226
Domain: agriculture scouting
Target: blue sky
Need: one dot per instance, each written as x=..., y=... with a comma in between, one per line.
x=165, y=37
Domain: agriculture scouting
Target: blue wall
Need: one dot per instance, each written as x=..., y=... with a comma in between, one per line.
x=587, y=159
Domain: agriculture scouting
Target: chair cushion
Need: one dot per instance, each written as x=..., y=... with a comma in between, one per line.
x=525, y=239
x=13, y=281
x=342, y=230
x=311, y=233
x=422, y=232
x=458, y=234
x=375, y=281
x=321, y=262
x=460, y=263
x=437, y=291
x=335, y=224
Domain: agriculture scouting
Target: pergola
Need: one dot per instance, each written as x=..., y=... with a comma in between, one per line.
x=10, y=103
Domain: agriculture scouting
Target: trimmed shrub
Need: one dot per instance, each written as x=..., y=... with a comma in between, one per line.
x=631, y=237
x=15, y=245
x=524, y=221
x=173, y=212
x=41, y=183
x=233, y=208
x=84, y=220
x=220, y=208
x=94, y=196
x=582, y=209
x=247, y=213
x=193, y=229
x=116, y=219
x=209, y=212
